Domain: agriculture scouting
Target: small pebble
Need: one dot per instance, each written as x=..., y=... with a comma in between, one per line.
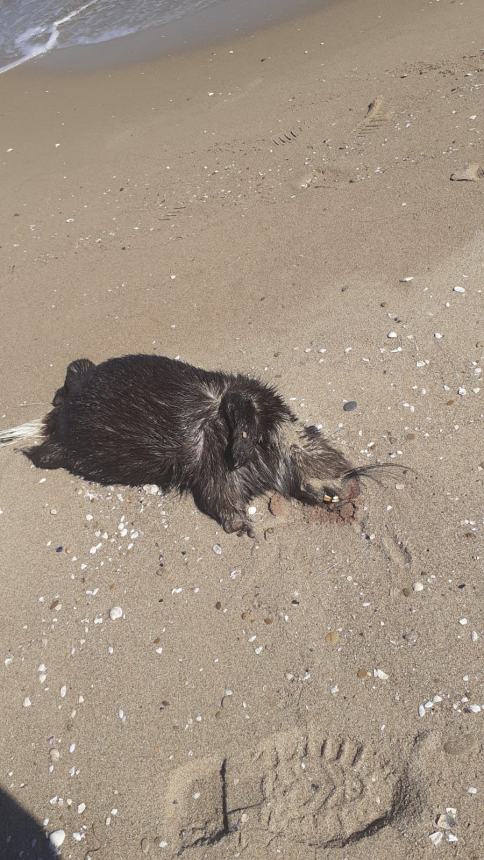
x=406, y=280
x=379, y=673
x=27, y=703
x=438, y=335
x=349, y=406
x=81, y=808
x=152, y=489
x=57, y=837
x=436, y=838
x=459, y=290
x=115, y=613
x=418, y=586
x=461, y=391
x=217, y=549
x=392, y=334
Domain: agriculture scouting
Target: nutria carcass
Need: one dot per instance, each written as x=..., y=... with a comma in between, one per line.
x=226, y=438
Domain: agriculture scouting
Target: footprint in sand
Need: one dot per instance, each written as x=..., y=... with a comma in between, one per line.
x=396, y=552
x=286, y=137
x=376, y=116
x=293, y=789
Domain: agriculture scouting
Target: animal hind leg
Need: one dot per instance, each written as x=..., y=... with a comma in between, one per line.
x=49, y=455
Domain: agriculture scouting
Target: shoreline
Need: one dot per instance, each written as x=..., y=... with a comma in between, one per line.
x=209, y=27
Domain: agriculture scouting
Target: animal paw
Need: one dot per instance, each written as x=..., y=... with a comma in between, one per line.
x=238, y=524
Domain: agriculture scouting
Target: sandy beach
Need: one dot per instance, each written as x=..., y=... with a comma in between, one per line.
x=303, y=204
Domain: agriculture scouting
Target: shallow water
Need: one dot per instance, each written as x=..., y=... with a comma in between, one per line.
x=33, y=28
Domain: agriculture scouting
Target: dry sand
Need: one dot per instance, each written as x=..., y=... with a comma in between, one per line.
x=317, y=693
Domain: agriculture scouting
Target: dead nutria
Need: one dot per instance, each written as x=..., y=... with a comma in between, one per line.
x=144, y=419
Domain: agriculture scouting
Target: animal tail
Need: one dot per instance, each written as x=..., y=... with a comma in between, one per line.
x=33, y=429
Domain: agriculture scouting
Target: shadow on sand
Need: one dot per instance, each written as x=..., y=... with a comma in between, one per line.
x=21, y=836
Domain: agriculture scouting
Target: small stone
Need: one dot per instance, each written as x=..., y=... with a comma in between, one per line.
x=349, y=406
x=363, y=673
x=54, y=754
x=447, y=820
x=436, y=838
x=27, y=703
x=251, y=510
x=145, y=845
x=438, y=335
x=474, y=709
x=379, y=673
x=418, y=586
x=406, y=280
x=406, y=591
x=421, y=710
x=392, y=334
x=81, y=808
x=151, y=489
x=332, y=637
x=115, y=613
x=459, y=289
x=463, y=621
x=461, y=391
x=217, y=549
x=57, y=837
x=472, y=790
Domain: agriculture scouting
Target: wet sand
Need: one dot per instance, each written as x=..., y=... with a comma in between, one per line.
x=280, y=205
